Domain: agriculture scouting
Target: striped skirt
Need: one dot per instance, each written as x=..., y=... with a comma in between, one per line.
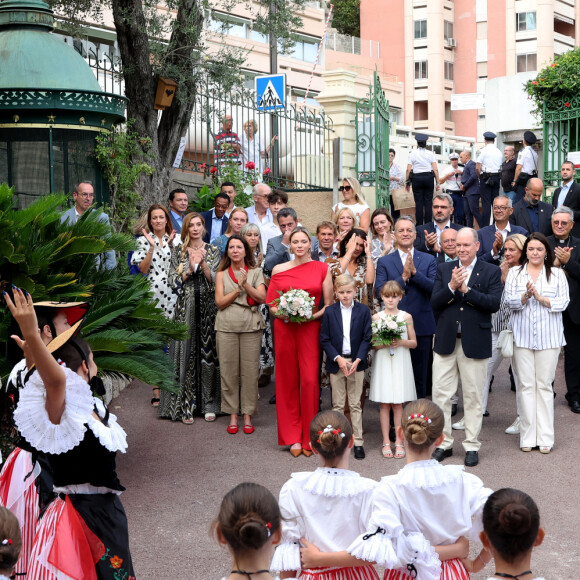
x=450, y=570
x=356, y=573
x=18, y=494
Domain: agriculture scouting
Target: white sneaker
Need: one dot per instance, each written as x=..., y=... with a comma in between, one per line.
x=460, y=425
x=514, y=428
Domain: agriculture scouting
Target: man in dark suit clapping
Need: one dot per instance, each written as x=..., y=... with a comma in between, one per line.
x=568, y=194
x=465, y=295
x=428, y=234
x=531, y=213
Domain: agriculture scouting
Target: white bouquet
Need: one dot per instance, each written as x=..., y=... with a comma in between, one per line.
x=385, y=330
x=297, y=305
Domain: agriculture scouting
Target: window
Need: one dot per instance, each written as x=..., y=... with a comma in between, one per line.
x=305, y=49
x=525, y=21
x=526, y=63
x=447, y=29
x=229, y=25
x=448, y=71
x=420, y=29
x=421, y=69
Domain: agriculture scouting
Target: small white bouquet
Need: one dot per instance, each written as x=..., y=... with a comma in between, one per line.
x=297, y=305
x=385, y=330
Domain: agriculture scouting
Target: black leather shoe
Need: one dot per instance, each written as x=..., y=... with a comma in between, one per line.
x=272, y=400
x=440, y=454
x=453, y=409
x=471, y=458
x=575, y=406
x=359, y=452
x=486, y=414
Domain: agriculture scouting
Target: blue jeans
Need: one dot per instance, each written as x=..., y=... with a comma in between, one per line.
x=512, y=195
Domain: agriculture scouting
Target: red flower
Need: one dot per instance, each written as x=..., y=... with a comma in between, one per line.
x=213, y=170
x=566, y=104
x=203, y=167
x=250, y=165
x=534, y=82
x=267, y=171
x=254, y=182
x=553, y=65
x=116, y=562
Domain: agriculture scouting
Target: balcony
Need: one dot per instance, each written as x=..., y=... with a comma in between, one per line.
x=562, y=43
x=353, y=45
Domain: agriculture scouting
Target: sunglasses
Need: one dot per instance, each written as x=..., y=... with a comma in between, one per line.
x=344, y=188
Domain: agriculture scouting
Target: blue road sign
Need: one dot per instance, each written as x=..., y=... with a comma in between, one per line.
x=270, y=92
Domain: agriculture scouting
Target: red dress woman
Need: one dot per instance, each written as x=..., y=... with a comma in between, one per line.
x=297, y=346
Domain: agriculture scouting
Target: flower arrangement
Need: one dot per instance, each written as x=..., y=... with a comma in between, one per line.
x=297, y=305
x=385, y=330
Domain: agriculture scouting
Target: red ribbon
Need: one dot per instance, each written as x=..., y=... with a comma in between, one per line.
x=251, y=301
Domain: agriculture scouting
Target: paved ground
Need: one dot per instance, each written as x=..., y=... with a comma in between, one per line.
x=177, y=474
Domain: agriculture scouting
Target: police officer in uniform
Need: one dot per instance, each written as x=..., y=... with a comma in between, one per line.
x=424, y=176
x=526, y=165
x=487, y=168
x=451, y=181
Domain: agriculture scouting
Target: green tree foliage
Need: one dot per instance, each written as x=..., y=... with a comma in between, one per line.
x=54, y=261
x=557, y=85
x=346, y=17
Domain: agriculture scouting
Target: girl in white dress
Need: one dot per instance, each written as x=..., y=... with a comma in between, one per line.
x=10, y=543
x=511, y=530
x=325, y=509
x=421, y=515
x=392, y=380
x=248, y=523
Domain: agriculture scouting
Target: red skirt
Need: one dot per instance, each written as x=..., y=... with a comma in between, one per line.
x=355, y=573
x=450, y=570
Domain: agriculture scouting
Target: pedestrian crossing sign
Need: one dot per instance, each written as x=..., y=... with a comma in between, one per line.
x=270, y=92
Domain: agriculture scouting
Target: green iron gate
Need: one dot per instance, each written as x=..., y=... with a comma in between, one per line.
x=372, y=137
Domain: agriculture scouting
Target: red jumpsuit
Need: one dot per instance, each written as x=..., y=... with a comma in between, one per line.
x=297, y=350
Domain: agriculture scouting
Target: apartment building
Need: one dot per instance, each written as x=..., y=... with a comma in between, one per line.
x=442, y=48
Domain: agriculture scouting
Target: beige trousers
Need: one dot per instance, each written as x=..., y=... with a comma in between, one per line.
x=535, y=370
x=350, y=388
x=447, y=369
x=239, y=356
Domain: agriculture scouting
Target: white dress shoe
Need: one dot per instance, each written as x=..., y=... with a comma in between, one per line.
x=514, y=428
x=459, y=426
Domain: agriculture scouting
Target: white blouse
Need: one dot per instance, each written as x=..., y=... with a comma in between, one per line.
x=357, y=209
x=329, y=507
x=426, y=504
x=534, y=326
x=421, y=160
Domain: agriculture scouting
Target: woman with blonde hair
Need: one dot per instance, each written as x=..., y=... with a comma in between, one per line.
x=192, y=273
x=253, y=150
x=353, y=198
x=238, y=219
x=345, y=221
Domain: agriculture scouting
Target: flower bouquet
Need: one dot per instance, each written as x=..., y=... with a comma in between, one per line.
x=297, y=305
x=385, y=330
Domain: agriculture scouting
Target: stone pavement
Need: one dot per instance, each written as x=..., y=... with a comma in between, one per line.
x=176, y=476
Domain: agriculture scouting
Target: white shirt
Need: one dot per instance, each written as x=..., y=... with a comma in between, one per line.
x=251, y=152
x=254, y=218
x=528, y=159
x=421, y=160
x=504, y=234
x=269, y=231
x=216, y=226
x=357, y=209
x=403, y=255
x=346, y=318
x=564, y=189
x=329, y=507
x=535, y=326
x=468, y=271
x=452, y=182
x=426, y=503
x=490, y=158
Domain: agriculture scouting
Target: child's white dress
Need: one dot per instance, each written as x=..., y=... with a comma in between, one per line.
x=328, y=507
x=392, y=379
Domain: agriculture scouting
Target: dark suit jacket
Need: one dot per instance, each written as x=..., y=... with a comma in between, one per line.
x=331, y=334
x=472, y=310
x=419, y=243
x=276, y=253
x=417, y=289
x=572, y=269
x=521, y=217
x=469, y=179
x=573, y=202
x=487, y=237
x=207, y=216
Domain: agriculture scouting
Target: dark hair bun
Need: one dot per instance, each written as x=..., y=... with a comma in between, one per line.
x=515, y=519
x=416, y=432
x=252, y=532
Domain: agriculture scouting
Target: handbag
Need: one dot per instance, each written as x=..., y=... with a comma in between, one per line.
x=505, y=343
x=402, y=198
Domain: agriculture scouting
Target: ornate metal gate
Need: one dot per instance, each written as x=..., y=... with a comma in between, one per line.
x=372, y=136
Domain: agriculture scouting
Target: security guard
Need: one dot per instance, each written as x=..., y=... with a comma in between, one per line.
x=526, y=165
x=487, y=168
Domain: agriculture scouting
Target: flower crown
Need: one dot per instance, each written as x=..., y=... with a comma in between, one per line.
x=331, y=429
x=419, y=416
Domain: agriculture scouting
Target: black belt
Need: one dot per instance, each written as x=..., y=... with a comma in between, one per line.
x=489, y=173
x=346, y=355
x=459, y=335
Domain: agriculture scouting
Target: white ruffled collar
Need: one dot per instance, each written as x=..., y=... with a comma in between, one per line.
x=111, y=436
x=427, y=473
x=334, y=482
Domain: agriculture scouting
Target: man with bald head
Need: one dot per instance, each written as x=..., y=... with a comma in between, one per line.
x=465, y=295
x=531, y=213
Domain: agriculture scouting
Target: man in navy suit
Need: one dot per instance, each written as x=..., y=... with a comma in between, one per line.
x=428, y=234
x=415, y=271
x=465, y=295
x=568, y=194
x=178, y=203
x=470, y=188
x=531, y=213
x=345, y=335
x=216, y=220
x=492, y=238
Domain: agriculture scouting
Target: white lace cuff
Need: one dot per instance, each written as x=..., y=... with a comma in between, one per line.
x=33, y=422
x=112, y=436
x=286, y=557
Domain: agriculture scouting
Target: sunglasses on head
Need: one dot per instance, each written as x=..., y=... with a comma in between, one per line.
x=344, y=188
